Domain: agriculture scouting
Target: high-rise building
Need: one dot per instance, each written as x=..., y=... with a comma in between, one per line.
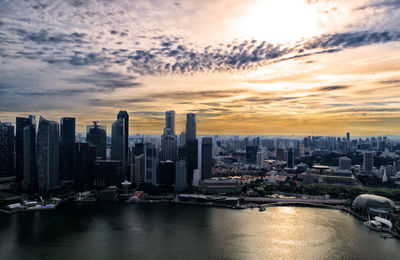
x=106, y=173
x=182, y=139
x=125, y=156
x=190, y=126
x=206, y=158
x=117, y=140
x=48, y=155
x=290, y=161
x=251, y=153
x=85, y=155
x=166, y=173
x=368, y=162
x=21, y=123
x=30, y=181
x=348, y=136
x=96, y=136
x=280, y=154
x=6, y=150
x=181, y=183
x=67, y=147
x=344, y=163
x=260, y=159
x=191, y=146
x=168, y=139
x=139, y=169
x=150, y=163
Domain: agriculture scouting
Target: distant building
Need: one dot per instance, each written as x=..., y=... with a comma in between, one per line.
x=368, y=162
x=190, y=126
x=21, y=123
x=48, y=155
x=206, y=158
x=123, y=115
x=96, y=136
x=139, y=169
x=280, y=154
x=191, y=146
x=344, y=163
x=251, y=153
x=166, y=173
x=118, y=145
x=260, y=159
x=180, y=176
x=182, y=139
x=67, y=147
x=150, y=163
x=348, y=136
x=6, y=150
x=290, y=158
x=107, y=173
x=85, y=155
x=168, y=139
x=30, y=180
x=222, y=185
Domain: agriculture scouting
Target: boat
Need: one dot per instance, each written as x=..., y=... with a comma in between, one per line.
x=379, y=224
x=261, y=209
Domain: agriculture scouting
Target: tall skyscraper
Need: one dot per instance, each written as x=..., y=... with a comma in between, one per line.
x=139, y=169
x=6, y=150
x=168, y=139
x=96, y=136
x=180, y=176
x=21, y=123
x=290, y=161
x=206, y=158
x=125, y=159
x=118, y=151
x=30, y=181
x=252, y=150
x=48, y=155
x=280, y=154
x=190, y=126
x=150, y=163
x=191, y=146
x=182, y=139
x=85, y=155
x=67, y=147
x=368, y=162
x=348, y=136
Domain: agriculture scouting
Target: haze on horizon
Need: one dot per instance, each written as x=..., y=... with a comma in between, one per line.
x=245, y=67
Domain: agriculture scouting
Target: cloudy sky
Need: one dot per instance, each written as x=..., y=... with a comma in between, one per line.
x=287, y=67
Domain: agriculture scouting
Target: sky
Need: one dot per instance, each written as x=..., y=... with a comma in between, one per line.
x=245, y=67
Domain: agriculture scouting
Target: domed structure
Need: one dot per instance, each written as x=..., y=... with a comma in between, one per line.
x=373, y=201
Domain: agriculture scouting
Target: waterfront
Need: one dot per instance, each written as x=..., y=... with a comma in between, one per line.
x=171, y=231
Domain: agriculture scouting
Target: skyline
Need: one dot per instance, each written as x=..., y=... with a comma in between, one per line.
x=243, y=67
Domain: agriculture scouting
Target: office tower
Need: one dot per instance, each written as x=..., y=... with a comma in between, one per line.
x=182, y=139
x=166, y=173
x=252, y=150
x=191, y=146
x=150, y=163
x=348, y=136
x=67, y=147
x=30, y=181
x=280, y=154
x=139, y=169
x=168, y=139
x=96, y=136
x=6, y=150
x=47, y=155
x=117, y=140
x=20, y=124
x=206, y=158
x=290, y=161
x=181, y=183
x=368, y=162
x=85, y=155
x=190, y=126
x=139, y=148
x=260, y=159
x=344, y=163
x=106, y=173
x=125, y=155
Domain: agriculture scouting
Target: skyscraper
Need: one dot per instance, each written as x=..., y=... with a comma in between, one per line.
x=21, y=123
x=180, y=176
x=348, y=136
x=168, y=139
x=6, y=150
x=368, y=162
x=30, y=181
x=206, y=158
x=125, y=159
x=150, y=163
x=290, y=161
x=47, y=155
x=118, y=151
x=190, y=126
x=67, y=147
x=251, y=150
x=344, y=163
x=96, y=136
x=85, y=155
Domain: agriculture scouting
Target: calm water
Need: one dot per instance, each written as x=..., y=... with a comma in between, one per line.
x=127, y=231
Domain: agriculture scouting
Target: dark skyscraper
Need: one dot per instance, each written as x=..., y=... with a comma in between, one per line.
x=6, y=150
x=48, y=155
x=67, y=147
x=117, y=139
x=190, y=126
x=96, y=136
x=252, y=150
x=30, y=182
x=168, y=139
x=21, y=123
x=206, y=158
x=290, y=161
x=348, y=136
x=191, y=146
x=85, y=155
x=124, y=115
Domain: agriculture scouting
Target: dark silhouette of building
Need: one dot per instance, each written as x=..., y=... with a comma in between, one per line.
x=291, y=155
x=67, y=147
x=85, y=155
x=106, y=173
x=117, y=140
x=206, y=158
x=190, y=126
x=280, y=154
x=252, y=150
x=48, y=155
x=6, y=150
x=150, y=163
x=139, y=149
x=30, y=182
x=125, y=156
x=166, y=173
x=191, y=146
x=168, y=139
x=21, y=123
x=96, y=136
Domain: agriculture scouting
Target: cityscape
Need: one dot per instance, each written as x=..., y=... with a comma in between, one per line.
x=208, y=130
